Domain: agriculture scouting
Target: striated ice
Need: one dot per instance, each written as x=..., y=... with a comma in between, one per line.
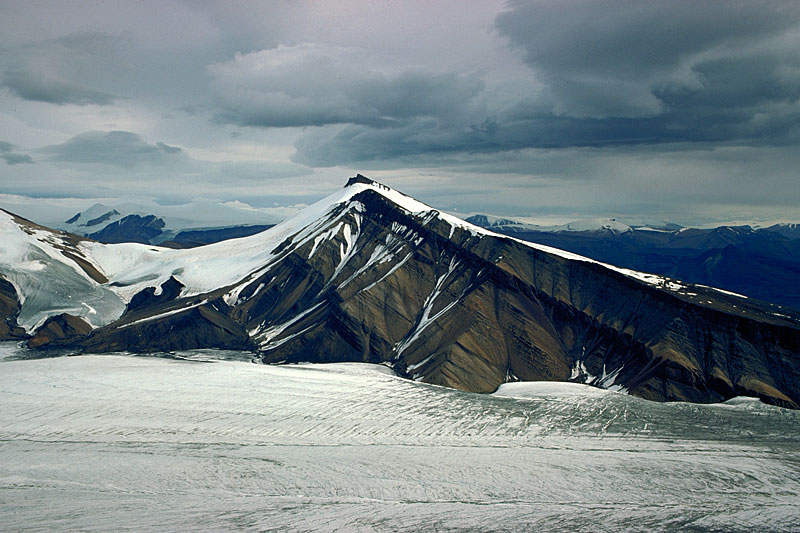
x=140, y=444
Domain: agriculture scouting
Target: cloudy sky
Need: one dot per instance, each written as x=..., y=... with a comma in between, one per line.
x=686, y=111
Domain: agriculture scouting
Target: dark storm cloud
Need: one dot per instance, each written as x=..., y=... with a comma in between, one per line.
x=43, y=88
x=10, y=157
x=613, y=73
x=655, y=72
x=617, y=58
x=118, y=148
x=428, y=139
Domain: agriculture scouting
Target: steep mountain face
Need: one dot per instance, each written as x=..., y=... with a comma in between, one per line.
x=763, y=263
x=372, y=275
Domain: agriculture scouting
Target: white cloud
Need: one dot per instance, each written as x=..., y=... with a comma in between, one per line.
x=315, y=85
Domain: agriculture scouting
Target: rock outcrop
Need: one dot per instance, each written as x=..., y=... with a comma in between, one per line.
x=9, y=309
x=59, y=330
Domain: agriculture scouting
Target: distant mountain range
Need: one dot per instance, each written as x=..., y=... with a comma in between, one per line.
x=106, y=224
x=372, y=275
x=762, y=263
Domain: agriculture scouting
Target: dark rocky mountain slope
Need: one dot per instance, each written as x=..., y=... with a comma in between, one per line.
x=372, y=275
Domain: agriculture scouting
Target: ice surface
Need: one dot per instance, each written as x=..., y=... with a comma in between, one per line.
x=126, y=443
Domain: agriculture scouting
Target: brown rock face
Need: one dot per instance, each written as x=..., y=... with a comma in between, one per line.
x=458, y=307
x=9, y=309
x=59, y=330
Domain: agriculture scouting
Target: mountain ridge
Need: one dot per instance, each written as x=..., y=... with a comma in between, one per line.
x=133, y=223
x=761, y=263
x=369, y=274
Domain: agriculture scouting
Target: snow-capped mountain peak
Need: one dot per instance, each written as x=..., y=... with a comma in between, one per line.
x=370, y=274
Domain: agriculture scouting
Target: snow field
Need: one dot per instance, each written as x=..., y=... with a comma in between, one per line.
x=139, y=443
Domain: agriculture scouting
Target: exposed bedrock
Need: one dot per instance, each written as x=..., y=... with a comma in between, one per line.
x=9, y=310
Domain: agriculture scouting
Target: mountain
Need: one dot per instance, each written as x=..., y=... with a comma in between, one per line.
x=791, y=231
x=108, y=225
x=92, y=217
x=761, y=263
x=369, y=274
x=604, y=225
x=132, y=228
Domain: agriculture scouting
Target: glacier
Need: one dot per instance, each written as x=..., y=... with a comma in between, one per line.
x=205, y=440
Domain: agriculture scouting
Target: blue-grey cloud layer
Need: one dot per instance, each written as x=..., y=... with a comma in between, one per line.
x=316, y=86
x=682, y=70
x=11, y=157
x=61, y=71
x=118, y=148
x=41, y=88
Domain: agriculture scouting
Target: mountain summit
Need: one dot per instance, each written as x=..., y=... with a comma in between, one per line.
x=370, y=274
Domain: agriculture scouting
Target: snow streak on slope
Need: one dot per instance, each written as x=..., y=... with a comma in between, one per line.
x=133, y=267
x=121, y=443
x=425, y=318
x=416, y=207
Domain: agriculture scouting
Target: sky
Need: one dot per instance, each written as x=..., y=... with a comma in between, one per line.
x=682, y=111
